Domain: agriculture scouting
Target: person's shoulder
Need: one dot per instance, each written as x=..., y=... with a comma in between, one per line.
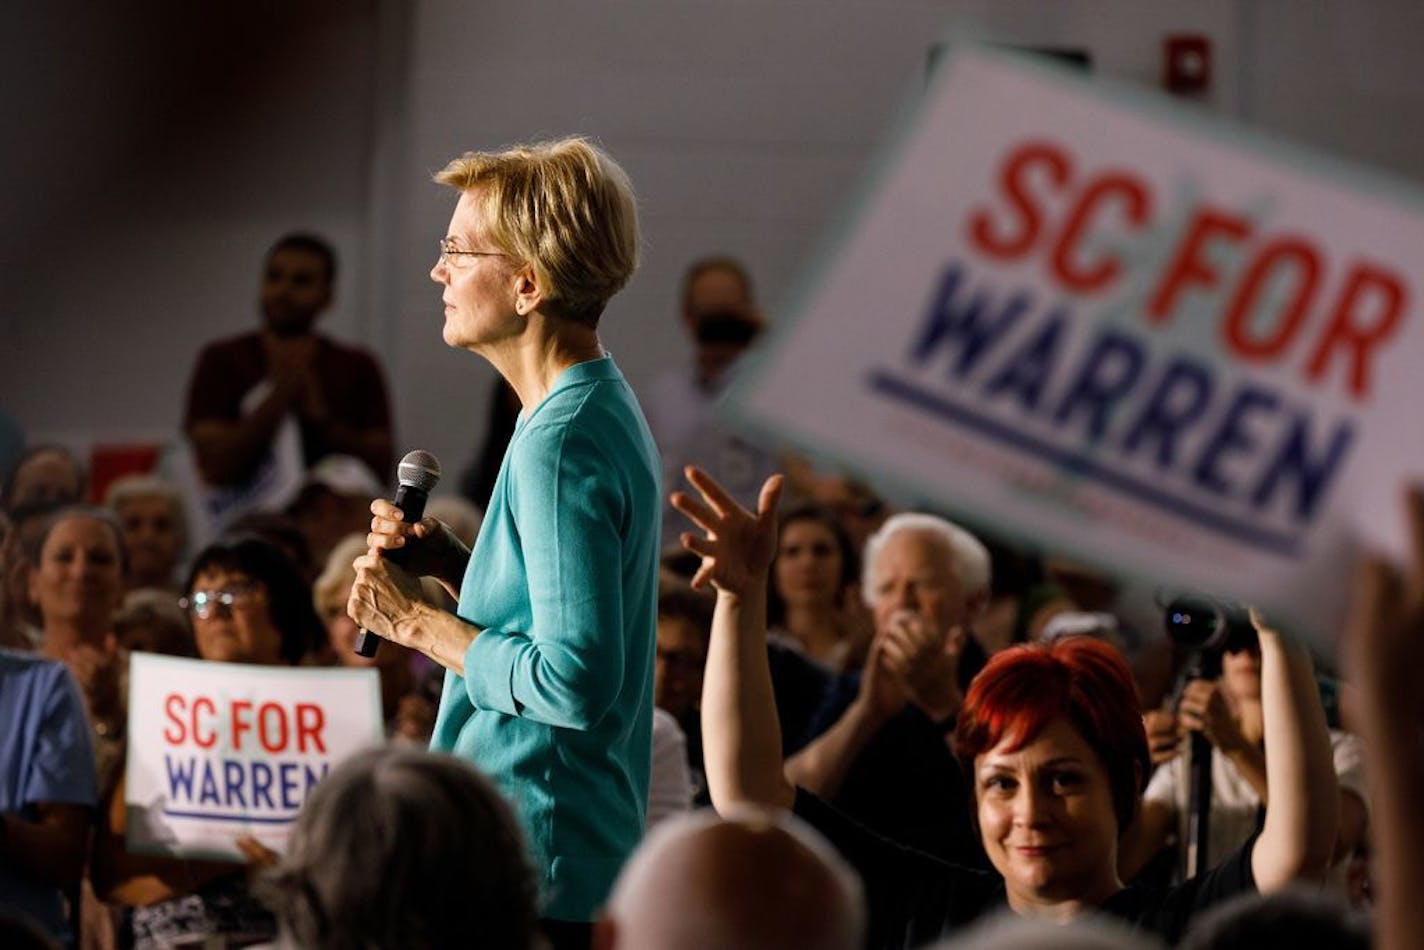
x=33, y=676
x=19, y=662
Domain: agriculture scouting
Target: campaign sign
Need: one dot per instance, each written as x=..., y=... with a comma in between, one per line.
x=1109, y=325
x=218, y=750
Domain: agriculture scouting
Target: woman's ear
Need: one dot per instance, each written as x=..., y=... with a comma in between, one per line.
x=527, y=294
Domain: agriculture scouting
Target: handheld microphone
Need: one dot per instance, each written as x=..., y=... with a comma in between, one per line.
x=416, y=477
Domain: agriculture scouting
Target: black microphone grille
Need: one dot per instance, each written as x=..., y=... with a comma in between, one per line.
x=419, y=469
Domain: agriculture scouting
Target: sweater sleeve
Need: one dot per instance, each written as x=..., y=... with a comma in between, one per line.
x=569, y=508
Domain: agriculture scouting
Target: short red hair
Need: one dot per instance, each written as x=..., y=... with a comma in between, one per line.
x=1082, y=679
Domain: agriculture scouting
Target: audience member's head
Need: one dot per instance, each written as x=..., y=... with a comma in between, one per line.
x=754, y=880
x=155, y=529
x=860, y=510
x=334, y=501
x=720, y=312
x=150, y=620
x=43, y=475
x=1081, y=682
x=1009, y=931
x=1299, y=916
x=248, y=604
x=684, y=627
x=298, y=279
x=398, y=848
x=814, y=563
x=926, y=565
x=77, y=563
x=330, y=594
x=283, y=531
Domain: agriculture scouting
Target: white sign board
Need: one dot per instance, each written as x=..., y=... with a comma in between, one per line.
x=1105, y=323
x=218, y=750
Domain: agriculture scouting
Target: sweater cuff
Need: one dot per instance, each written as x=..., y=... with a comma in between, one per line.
x=489, y=672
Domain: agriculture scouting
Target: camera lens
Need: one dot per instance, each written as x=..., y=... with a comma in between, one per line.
x=1204, y=623
x=1194, y=622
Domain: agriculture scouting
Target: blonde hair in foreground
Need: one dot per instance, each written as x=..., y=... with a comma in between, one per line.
x=566, y=209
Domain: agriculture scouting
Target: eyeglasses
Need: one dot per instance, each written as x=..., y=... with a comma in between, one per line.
x=203, y=603
x=450, y=254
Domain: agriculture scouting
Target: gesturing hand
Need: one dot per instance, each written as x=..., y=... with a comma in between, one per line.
x=738, y=546
x=1384, y=636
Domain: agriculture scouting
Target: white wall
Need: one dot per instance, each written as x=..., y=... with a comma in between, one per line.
x=745, y=124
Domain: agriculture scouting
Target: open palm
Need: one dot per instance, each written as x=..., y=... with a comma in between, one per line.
x=737, y=546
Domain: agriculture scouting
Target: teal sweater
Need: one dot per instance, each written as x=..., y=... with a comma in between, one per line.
x=556, y=701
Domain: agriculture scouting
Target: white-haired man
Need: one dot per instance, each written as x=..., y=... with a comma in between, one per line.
x=884, y=757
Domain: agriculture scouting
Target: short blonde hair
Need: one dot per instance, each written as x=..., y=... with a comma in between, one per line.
x=566, y=209
x=338, y=574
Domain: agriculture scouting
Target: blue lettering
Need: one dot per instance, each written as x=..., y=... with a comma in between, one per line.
x=1026, y=372
x=288, y=779
x=1178, y=402
x=1312, y=475
x=262, y=785
x=180, y=777
x=947, y=320
x=233, y=780
x=209, y=792
x=1105, y=376
x=1231, y=437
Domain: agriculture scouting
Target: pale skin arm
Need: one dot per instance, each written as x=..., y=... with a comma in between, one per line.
x=740, y=732
x=1385, y=639
x=386, y=597
x=1299, y=831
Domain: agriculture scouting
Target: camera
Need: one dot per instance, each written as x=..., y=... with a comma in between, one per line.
x=1199, y=622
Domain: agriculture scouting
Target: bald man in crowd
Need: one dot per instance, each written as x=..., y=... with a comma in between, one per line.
x=755, y=880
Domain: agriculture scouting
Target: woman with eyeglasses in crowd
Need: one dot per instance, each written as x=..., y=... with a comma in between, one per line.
x=248, y=604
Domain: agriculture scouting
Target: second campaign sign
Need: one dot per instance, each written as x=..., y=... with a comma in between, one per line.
x=218, y=750
x=1112, y=326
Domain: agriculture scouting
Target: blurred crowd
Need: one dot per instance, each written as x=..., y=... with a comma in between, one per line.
x=878, y=702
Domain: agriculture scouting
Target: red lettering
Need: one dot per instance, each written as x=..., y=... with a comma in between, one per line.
x=311, y=720
x=1136, y=204
x=212, y=737
x=239, y=724
x=262, y=732
x=1348, y=331
x=1189, y=265
x=175, y=718
x=1016, y=233
x=1239, y=334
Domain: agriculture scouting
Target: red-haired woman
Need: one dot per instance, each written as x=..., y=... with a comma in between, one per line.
x=1054, y=746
